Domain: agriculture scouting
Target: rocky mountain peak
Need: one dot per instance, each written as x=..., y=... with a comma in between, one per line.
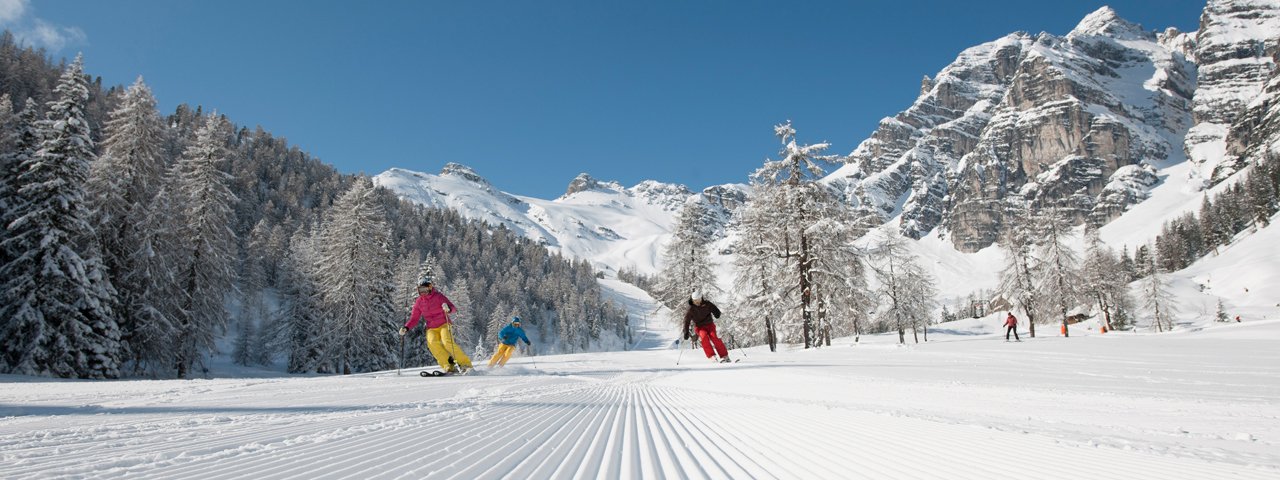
x=581, y=183
x=462, y=171
x=1106, y=22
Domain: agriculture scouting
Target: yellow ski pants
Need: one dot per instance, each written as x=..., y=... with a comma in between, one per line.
x=503, y=354
x=440, y=342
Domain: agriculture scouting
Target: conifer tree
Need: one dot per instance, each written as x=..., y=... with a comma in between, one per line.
x=1104, y=281
x=296, y=329
x=1060, y=272
x=1021, y=268
x=799, y=222
x=59, y=304
x=355, y=274
x=1156, y=295
x=907, y=289
x=123, y=184
x=686, y=262
x=205, y=256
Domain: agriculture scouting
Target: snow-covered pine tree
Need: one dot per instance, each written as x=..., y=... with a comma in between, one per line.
x=298, y=327
x=155, y=298
x=59, y=305
x=205, y=256
x=1156, y=296
x=430, y=268
x=686, y=264
x=1262, y=199
x=466, y=324
x=253, y=308
x=782, y=219
x=1059, y=272
x=1221, y=315
x=355, y=276
x=22, y=140
x=1104, y=281
x=907, y=289
x=242, y=353
x=123, y=184
x=1021, y=268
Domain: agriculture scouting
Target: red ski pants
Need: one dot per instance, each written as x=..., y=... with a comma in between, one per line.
x=708, y=335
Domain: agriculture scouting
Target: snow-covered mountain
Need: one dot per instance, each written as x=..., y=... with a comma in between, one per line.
x=612, y=226
x=1081, y=122
x=1107, y=122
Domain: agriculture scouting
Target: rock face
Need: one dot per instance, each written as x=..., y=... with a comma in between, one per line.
x=912, y=153
x=1074, y=121
x=1257, y=132
x=1236, y=49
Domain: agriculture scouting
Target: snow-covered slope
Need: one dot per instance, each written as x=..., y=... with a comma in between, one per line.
x=612, y=226
x=967, y=405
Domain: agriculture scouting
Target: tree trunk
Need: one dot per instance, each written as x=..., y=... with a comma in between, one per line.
x=806, y=294
x=771, y=335
x=1106, y=313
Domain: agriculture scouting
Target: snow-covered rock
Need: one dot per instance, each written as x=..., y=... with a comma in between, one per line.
x=1043, y=118
x=1236, y=49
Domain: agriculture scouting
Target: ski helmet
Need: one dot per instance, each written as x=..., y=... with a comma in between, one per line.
x=424, y=281
x=696, y=295
x=515, y=321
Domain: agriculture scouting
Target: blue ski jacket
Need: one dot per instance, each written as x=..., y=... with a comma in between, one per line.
x=511, y=333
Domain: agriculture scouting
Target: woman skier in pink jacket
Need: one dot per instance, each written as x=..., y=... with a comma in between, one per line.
x=433, y=308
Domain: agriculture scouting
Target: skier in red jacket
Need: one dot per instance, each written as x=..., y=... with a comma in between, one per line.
x=1011, y=325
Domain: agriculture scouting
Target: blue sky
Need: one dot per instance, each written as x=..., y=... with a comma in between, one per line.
x=532, y=93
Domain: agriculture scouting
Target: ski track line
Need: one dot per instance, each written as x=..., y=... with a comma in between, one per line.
x=215, y=446
x=388, y=446
x=736, y=459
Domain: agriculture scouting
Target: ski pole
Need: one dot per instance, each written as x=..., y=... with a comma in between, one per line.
x=400, y=365
x=678, y=347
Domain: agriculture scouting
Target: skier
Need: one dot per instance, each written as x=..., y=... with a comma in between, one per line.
x=702, y=313
x=1011, y=325
x=508, y=337
x=433, y=308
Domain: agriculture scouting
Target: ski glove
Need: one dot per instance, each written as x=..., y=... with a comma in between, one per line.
x=403, y=331
x=526, y=342
x=686, y=334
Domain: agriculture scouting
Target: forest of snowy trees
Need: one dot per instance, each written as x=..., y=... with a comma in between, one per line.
x=134, y=241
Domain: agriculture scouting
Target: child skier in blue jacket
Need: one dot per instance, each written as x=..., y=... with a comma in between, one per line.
x=508, y=336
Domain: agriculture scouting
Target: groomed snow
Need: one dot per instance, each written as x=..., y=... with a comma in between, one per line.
x=1194, y=404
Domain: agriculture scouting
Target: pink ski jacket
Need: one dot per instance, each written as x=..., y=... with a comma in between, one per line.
x=427, y=308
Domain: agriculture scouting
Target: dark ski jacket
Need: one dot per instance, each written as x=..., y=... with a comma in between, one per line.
x=700, y=315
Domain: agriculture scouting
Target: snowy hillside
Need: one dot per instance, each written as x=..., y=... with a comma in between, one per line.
x=611, y=226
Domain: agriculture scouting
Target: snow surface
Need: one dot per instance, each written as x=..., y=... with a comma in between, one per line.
x=967, y=405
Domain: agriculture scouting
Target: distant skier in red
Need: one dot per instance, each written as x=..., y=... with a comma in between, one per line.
x=1011, y=325
x=702, y=313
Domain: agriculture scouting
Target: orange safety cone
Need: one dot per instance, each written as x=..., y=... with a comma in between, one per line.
x=1064, y=330
x=1104, y=329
